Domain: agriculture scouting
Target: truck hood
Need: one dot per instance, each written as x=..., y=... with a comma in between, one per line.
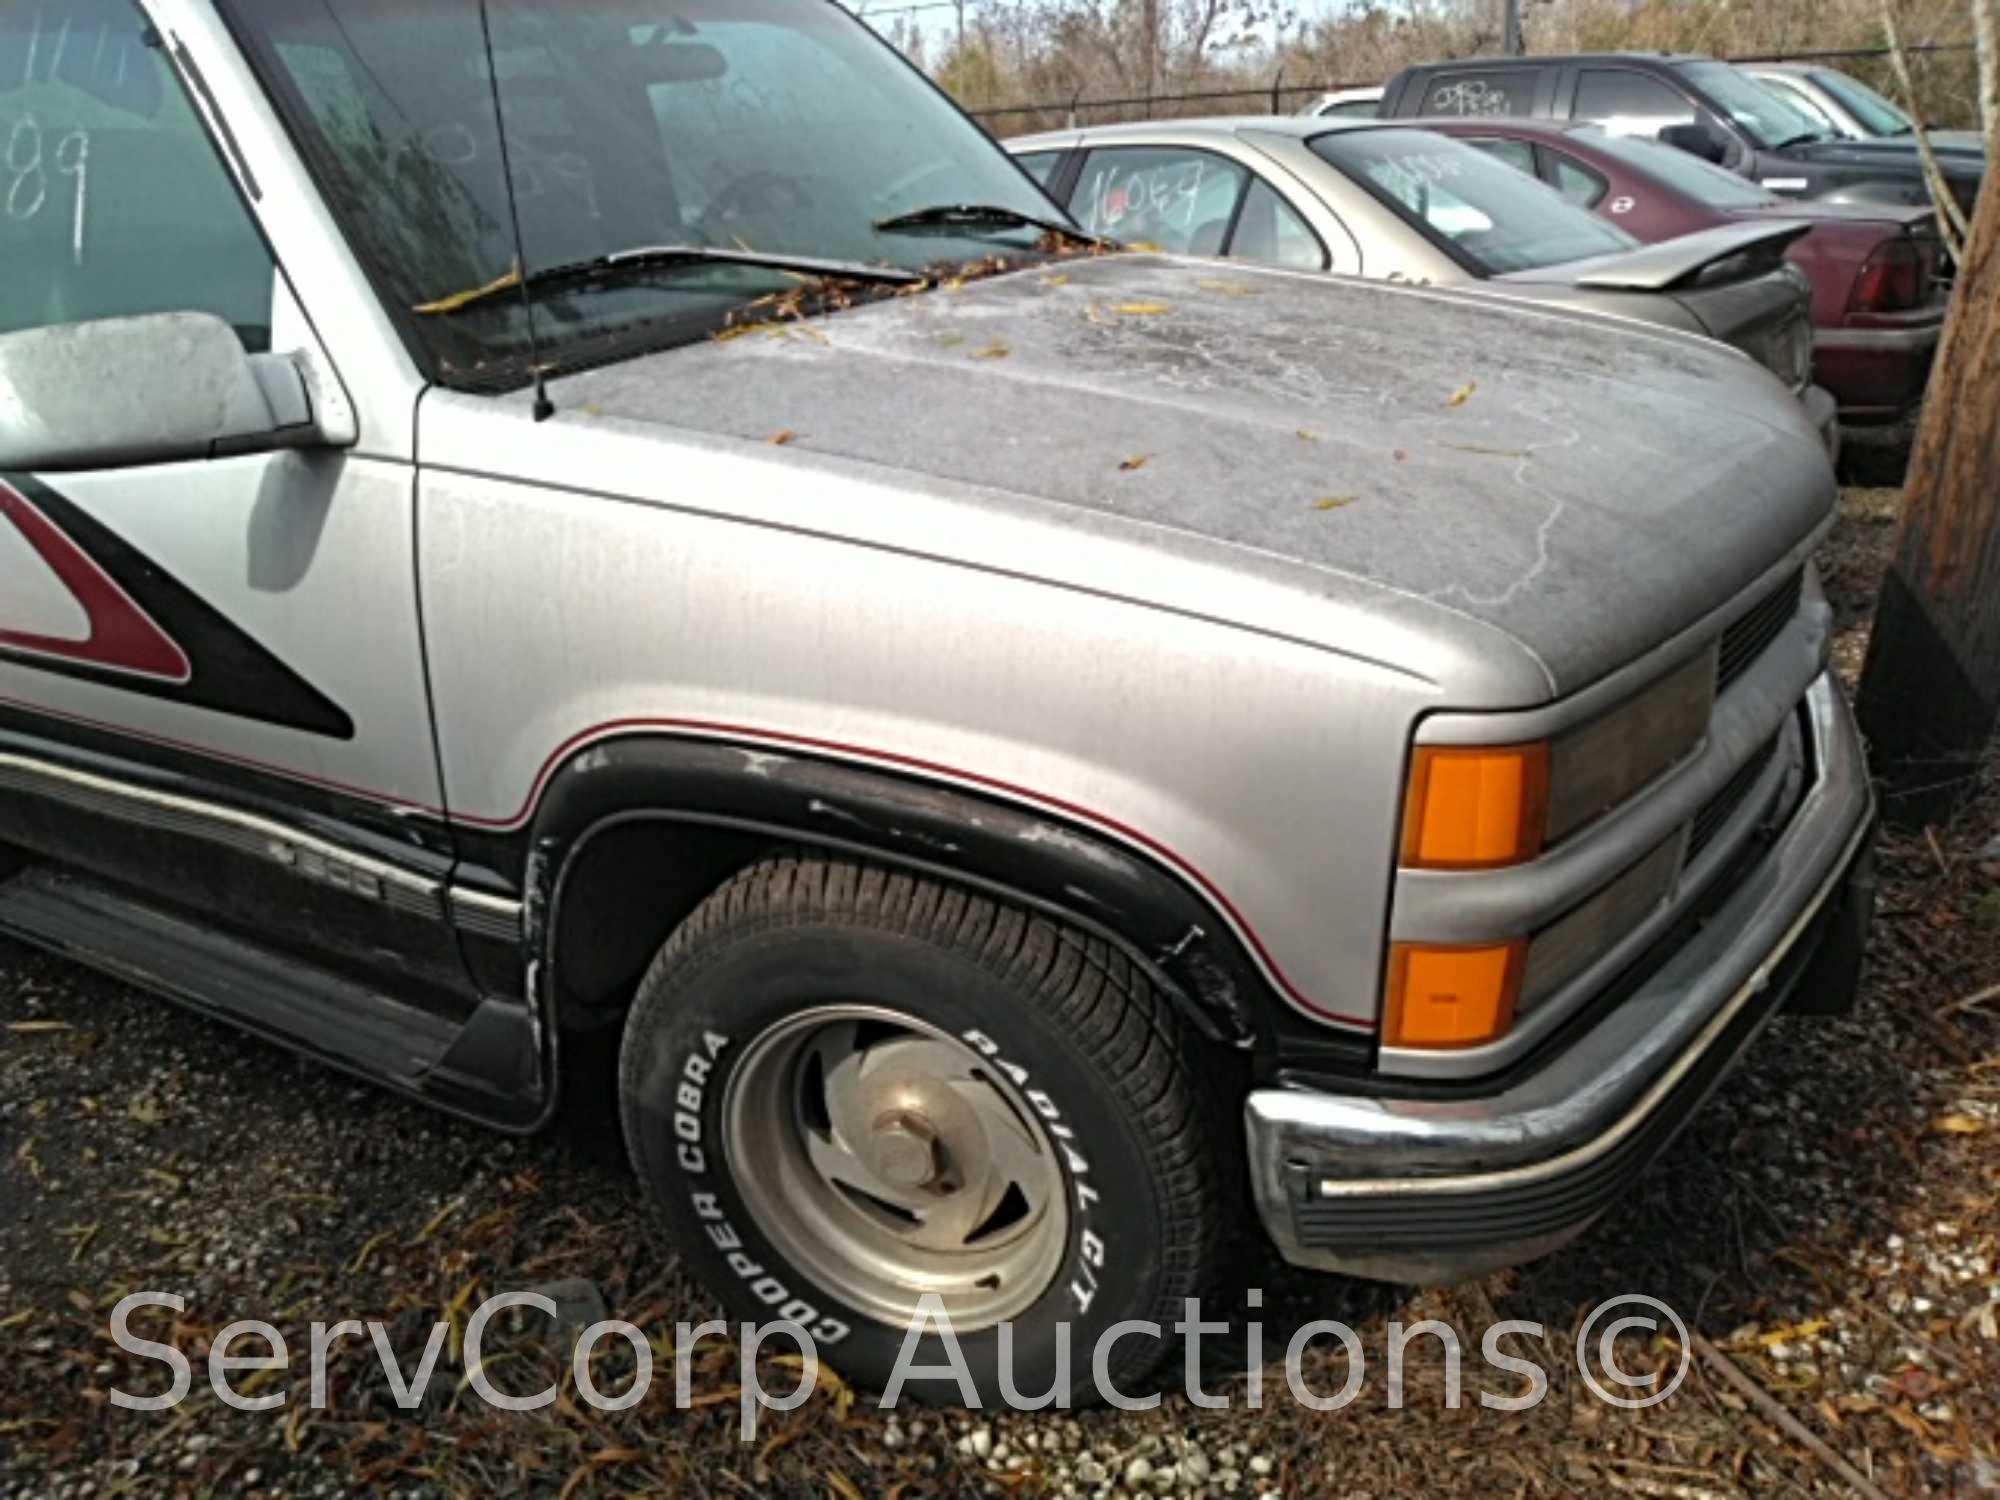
x=1960, y=153
x=1586, y=485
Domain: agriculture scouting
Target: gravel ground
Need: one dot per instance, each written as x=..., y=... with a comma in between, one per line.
x=1831, y=1223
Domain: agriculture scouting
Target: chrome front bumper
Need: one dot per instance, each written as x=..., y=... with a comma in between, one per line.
x=1430, y=1189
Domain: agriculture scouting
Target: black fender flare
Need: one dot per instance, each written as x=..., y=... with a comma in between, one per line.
x=1069, y=872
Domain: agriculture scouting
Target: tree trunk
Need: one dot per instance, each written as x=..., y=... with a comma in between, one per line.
x=1930, y=694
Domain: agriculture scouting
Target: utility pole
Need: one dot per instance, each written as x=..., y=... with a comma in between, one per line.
x=961, y=28
x=1510, y=30
x=1930, y=693
x=1150, y=19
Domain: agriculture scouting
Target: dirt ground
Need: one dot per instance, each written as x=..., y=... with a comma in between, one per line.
x=1830, y=1225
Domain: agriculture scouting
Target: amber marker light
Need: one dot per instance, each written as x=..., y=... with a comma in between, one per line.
x=1475, y=809
x=1443, y=997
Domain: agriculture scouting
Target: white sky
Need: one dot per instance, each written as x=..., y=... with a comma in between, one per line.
x=938, y=18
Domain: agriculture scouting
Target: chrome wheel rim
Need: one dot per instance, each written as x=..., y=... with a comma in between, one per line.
x=888, y=1160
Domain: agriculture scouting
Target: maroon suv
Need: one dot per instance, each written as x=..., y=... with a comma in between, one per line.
x=1878, y=296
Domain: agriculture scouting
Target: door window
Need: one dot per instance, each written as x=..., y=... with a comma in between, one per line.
x=1179, y=199
x=1270, y=230
x=1040, y=165
x=1576, y=182
x=113, y=202
x=1517, y=154
x=1627, y=102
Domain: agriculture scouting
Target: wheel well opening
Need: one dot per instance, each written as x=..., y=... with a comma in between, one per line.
x=626, y=891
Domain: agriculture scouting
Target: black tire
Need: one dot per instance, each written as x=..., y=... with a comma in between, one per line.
x=1099, y=1043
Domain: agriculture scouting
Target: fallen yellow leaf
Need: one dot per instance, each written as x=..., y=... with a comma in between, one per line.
x=1136, y=461
x=1959, y=1125
x=780, y=439
x=1334, y=502
x=1483, y=448
x=459, y=300
x=994, y=350
x=1791, y=1333
x=1463, y=394
x=1144, y=309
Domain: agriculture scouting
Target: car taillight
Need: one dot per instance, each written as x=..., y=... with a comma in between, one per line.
x=1897, y=277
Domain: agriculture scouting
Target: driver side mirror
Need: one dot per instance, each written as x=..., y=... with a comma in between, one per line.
x=166, y=388
x=1697, y=139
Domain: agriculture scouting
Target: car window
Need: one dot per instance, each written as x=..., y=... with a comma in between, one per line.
x=1495, y=217
x=1270, y=230
x=1517, y=154
x=1627, y=102
x=1769, y=120
x=1789, y=90
x=113, y=202
x=1877, y=115
x=1701, y=180
x=774, y=124
x=1353, y=109
x=1040, y=165
x=1576, y=182
x=1497, y=91
x=1176, y=197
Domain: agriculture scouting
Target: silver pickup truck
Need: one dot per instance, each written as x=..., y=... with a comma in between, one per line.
x=1040, y=750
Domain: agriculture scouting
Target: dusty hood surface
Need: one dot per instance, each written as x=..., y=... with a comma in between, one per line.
x=1587, y=486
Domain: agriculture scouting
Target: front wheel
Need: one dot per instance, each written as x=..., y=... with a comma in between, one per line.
x=849, y=1088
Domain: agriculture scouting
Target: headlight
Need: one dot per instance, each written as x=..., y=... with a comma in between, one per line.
x=1475, y=809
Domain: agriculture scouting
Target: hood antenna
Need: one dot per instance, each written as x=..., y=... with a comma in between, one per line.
x=544, y=407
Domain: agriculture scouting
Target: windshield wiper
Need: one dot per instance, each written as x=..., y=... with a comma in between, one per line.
x=642, y=259
x=947, y=216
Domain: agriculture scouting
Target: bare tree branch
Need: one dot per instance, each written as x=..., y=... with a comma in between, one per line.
x=1951, y=218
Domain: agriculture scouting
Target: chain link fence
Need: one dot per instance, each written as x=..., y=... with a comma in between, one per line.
x=1280, y=97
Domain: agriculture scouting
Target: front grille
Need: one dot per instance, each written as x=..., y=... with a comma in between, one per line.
x=1717, y=810
x=1744, y=641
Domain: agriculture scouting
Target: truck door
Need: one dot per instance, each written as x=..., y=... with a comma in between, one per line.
x=212, y=697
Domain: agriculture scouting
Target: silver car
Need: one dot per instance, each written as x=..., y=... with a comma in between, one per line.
x=1398, y=203
x=1850, y=107
x=1358, y=103
x=1032, y=749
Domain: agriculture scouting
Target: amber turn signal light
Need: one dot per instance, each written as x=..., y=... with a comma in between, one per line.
x=1452, y=997
x=1473, y=809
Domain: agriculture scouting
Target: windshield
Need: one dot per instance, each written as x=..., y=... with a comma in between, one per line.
x=1701, y=180
x=1873, y=113
x=1498, y=218
x=780, y=126
x=1766, y=117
